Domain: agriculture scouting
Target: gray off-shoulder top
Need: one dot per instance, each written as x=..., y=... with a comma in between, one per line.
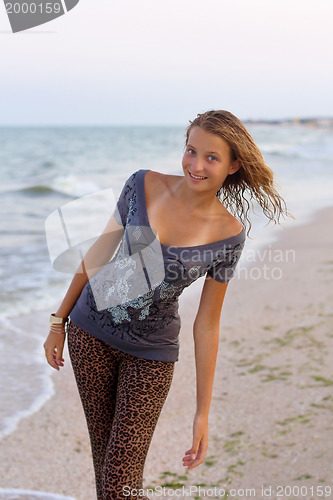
x=132, y=303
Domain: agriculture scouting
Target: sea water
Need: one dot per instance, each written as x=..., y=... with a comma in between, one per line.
x=17, y=494
x=44, y=168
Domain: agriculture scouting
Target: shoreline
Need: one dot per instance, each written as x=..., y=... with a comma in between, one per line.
x=261, y=379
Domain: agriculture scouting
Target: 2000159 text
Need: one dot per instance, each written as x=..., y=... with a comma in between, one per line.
x=33, y=8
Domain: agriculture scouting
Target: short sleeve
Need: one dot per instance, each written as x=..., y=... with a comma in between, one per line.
x=122, y=207
x=224, y=267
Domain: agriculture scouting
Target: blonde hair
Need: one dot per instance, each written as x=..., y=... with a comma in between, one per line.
x=254, y=179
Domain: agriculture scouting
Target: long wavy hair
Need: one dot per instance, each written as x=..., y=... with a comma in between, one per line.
x=254, y=180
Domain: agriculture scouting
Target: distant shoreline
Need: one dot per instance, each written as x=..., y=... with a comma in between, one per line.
x=315, y=122
x=309, y=122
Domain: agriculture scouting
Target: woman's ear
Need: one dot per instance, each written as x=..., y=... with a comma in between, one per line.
x=235, y=166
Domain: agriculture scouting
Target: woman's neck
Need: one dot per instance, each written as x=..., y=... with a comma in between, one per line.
x=193, y=201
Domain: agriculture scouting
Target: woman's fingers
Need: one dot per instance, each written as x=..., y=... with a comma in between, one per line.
x=59, y=362
x=200, y=456
x=188, y=458
x=194, y=458
x=53, y=347
x=52, y=361
x=191, y=454
x=196, y=454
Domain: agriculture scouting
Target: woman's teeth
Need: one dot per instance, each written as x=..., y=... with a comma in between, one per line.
x=197, y=177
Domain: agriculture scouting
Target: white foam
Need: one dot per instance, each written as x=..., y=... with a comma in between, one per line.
x=9, y=424
x=16, y=494
x=24, y=351
x=73, y=185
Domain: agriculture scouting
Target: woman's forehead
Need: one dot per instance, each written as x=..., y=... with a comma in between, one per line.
x=198, y=137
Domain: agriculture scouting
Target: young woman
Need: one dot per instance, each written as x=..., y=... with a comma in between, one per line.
x=124, y=322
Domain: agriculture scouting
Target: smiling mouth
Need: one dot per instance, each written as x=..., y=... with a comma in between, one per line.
x=196, y=177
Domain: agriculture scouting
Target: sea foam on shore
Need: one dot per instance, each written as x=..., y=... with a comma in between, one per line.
x=14, y=494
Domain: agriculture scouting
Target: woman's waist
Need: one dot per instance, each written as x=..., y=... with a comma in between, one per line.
x=150, y=326
x=144, y=309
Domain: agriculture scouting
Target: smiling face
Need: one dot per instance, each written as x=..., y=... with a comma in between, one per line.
x=207, y=160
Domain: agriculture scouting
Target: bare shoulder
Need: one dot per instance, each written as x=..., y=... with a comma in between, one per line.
x=152, y=178
x=231, y=226
x=235, y=227
x=158, y=182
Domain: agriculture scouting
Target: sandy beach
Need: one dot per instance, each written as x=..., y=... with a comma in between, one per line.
x=271, y=426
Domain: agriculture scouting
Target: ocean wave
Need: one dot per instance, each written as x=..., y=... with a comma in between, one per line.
x=15, y=494
x=283, y=150
x=71, y=186
x=38, y=189
x=41, y=297
x=285, y=154
x=307, y=150
x=23, y=349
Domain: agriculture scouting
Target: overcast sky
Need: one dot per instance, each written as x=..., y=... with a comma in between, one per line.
x=153, y=62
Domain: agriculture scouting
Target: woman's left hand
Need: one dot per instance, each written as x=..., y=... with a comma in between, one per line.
x=196, y=454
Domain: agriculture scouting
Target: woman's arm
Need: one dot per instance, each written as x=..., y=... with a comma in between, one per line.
x=206, y=340
x=97, y=256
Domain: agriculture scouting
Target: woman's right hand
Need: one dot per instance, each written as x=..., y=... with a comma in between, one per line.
x=53, y=346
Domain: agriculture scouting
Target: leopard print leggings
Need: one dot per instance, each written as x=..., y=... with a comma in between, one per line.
x=122, y=397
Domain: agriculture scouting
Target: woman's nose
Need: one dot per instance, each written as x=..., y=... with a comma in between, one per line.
x=197, y=165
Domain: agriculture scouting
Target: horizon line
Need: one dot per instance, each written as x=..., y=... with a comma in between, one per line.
x=271, y=121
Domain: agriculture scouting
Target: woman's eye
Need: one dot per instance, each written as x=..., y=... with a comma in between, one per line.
x=191, y=151
x=211, y=158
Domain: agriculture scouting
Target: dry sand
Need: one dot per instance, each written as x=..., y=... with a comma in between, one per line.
x=271, y=414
